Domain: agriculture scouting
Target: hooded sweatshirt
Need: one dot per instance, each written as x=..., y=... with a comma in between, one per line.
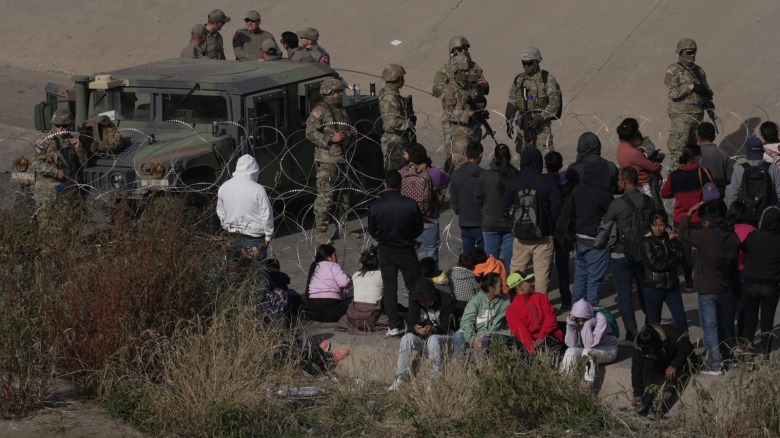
x=762, y=263
x=462, y=184
x=492, y=265
x=488, y=198
x=596, y=331
x=589, y=151
x=715, y=264
x=439, y=313
x=243, y=205
x=531, y=317
x=483, y=315
x=530, y=176
x=591, y=198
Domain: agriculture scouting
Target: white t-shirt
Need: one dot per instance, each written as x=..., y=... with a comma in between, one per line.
x=368, y=287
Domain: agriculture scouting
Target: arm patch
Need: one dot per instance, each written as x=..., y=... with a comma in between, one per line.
x=668, y=76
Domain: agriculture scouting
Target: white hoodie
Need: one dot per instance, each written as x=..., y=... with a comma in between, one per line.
x=243, y=205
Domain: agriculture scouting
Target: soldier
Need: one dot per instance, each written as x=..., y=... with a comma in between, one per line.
x=460, y=113
x=295, y=52
x=308, y=38
x=270, y=51
x=247, y=43
x=689, y=95
x=328, y=128
x=459, y=45
x=397, y=119
x=58, y=156
x=543, y=99
x=213, y=48
x=194, y=48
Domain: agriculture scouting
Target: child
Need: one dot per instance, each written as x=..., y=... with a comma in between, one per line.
x=326, y=299
x=484, y=319
x=531, y=316
x=588, y=335
x=364, y=314
x=553, y=162
x=485, y=264
x=438, y=277
x=464, y=283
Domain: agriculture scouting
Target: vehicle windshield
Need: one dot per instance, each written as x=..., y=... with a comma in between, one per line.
x=194, y=108
x=125, y=105
x=135, y=105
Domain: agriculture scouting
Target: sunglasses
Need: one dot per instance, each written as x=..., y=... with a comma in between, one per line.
x=246, y=20
x=689, y=52
x=528, y=63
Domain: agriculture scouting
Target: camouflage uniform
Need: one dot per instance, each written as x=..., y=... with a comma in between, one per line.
x=684, y=106
x=544, y=101
x=319, y=54
x=248, y=45
x=213, y=47
x=325, y=120
x=300, y=54
x=457, y=109
x=396, y=117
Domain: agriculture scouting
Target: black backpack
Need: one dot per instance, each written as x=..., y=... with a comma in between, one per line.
x=631, y=237
x=530, y=217
x=756, y=190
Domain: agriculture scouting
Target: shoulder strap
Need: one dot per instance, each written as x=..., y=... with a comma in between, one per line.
x=545, y=76
x=629, y=203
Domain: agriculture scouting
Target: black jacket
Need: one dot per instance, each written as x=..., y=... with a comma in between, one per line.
x=440, y=313
x=488, y=198
x=762, y=264
x=715, y=264
x=661, y=257
x=591, y=198
x=462, y=195
x=589, y=151
x=531, y=176
x=676, y=350
x=394, y=221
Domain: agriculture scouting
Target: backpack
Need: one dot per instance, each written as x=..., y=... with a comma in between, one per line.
x=100, y=136
x=530, y=216
x=418, y=185
x=756, y=190
x=631, y=237
x=613, y=325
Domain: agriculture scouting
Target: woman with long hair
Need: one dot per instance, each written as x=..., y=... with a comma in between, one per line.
x=365, y=313
x=326, y=286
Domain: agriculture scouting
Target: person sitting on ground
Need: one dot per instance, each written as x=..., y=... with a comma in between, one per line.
x=531, y=316
x=365, y=313
x=484, y=319
x=485, y=264
x=659, y=349
x=326, y=286
x=464, y=283
x=280, y=299
x=439, y=278
x=661, y=255
x=588, y=335
x=429, y=326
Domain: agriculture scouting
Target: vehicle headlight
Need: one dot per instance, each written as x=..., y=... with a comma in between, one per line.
x=156, y=170
x=21, y=164
x=117, y=180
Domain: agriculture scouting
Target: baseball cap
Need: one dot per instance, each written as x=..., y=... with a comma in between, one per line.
x=518, y=277
x=252, y=15
x=217, y=15
x=198, y=30
x=270, y=46
x=309, y=33
x=755, y=148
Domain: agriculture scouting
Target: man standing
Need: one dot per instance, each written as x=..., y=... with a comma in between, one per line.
x=58, y=156
x=328, y=129
x=715, y=159
x=308, y=38
x=689, y=94
x=247, y=43
x=754, y=182
x=457, y=101
x=462, y=198
x=270, y=51
x=245, y=212
x=214, y=48
x=395, y=221
x=194, y=48
x=397, y=120
x=534, y=102
x=295, y=53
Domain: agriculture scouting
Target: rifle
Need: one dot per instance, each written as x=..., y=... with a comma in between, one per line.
x=480, y=115
x=709, y=106
x=524, y=118
x=411, y=133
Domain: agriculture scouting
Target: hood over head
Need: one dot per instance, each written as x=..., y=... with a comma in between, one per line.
x=582, y=309
x=770, y=219
x=247, y=167
x=423, y=289
x=531, y=160
x=588, y=144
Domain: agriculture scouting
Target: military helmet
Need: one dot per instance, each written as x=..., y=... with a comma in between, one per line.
x=458, y=41
x=393, y=72
x=531, y=54
x=330, y=85
x=459, y=63
x=685, y=44
x=62, y=117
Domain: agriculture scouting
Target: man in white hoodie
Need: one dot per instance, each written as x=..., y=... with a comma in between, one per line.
x=245, y=212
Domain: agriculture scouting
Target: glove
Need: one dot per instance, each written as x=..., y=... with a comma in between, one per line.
x=533, y=123
x=509, y=129
x=702, y=91
x=480, y=116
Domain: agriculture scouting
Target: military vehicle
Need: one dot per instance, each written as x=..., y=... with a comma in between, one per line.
x=185, y=122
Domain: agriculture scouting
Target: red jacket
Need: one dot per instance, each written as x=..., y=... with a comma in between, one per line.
x=531, y=317
x=628, y=155
x=684, y=186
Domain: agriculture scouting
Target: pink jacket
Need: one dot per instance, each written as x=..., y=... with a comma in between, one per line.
x=328, y=281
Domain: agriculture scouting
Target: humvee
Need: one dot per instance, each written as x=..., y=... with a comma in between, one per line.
x=185, y=122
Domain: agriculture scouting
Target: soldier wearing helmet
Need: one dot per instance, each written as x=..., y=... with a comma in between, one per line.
x=457, y=101
x=538, y=91
x=397, y=119
x=214, y=47
x=330, y=129
x=247, y=43
x=309, y=39
x=58, y=156
x=689, y=94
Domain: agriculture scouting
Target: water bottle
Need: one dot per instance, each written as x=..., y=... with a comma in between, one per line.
x=300, y=391
x=372, y=88
x=356, y=88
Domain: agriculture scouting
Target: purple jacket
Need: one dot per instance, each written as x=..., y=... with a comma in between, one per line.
x=596, y=331
x=328, y=281
x=440, y=178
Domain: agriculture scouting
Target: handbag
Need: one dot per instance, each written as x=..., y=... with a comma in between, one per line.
x=709, y=191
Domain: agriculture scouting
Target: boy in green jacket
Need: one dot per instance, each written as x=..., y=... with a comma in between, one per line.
x=484, y=319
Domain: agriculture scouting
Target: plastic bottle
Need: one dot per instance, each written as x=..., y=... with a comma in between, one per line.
x=300, y=391
x=356, y=88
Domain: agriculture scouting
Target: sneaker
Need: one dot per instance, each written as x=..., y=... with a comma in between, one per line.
x=325, y=346
x=340, y=354
x=641, y=409
x=711, y=372
x=350, y=234
x=393, y=332
x=399, y=380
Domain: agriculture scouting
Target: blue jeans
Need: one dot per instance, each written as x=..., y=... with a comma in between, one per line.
x=487, y=338
x=625, y=272
x=430, y=241
x=713, y=311
x=245, y=246
x=498, y=242
x=590, y=267
x=562, y=266
x=655, y=299
x=471, y=237
x=434, y=344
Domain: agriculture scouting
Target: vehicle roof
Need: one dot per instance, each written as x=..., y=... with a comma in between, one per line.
x=235, y=77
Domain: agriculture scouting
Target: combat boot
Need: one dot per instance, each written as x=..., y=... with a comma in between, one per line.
x=349, y=234
x=323, y=239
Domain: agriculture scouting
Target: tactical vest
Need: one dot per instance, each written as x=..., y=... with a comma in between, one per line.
x=390, y=113
x=330, y=115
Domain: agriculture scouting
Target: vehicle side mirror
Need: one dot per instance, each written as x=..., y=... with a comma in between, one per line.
x=42, y=115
